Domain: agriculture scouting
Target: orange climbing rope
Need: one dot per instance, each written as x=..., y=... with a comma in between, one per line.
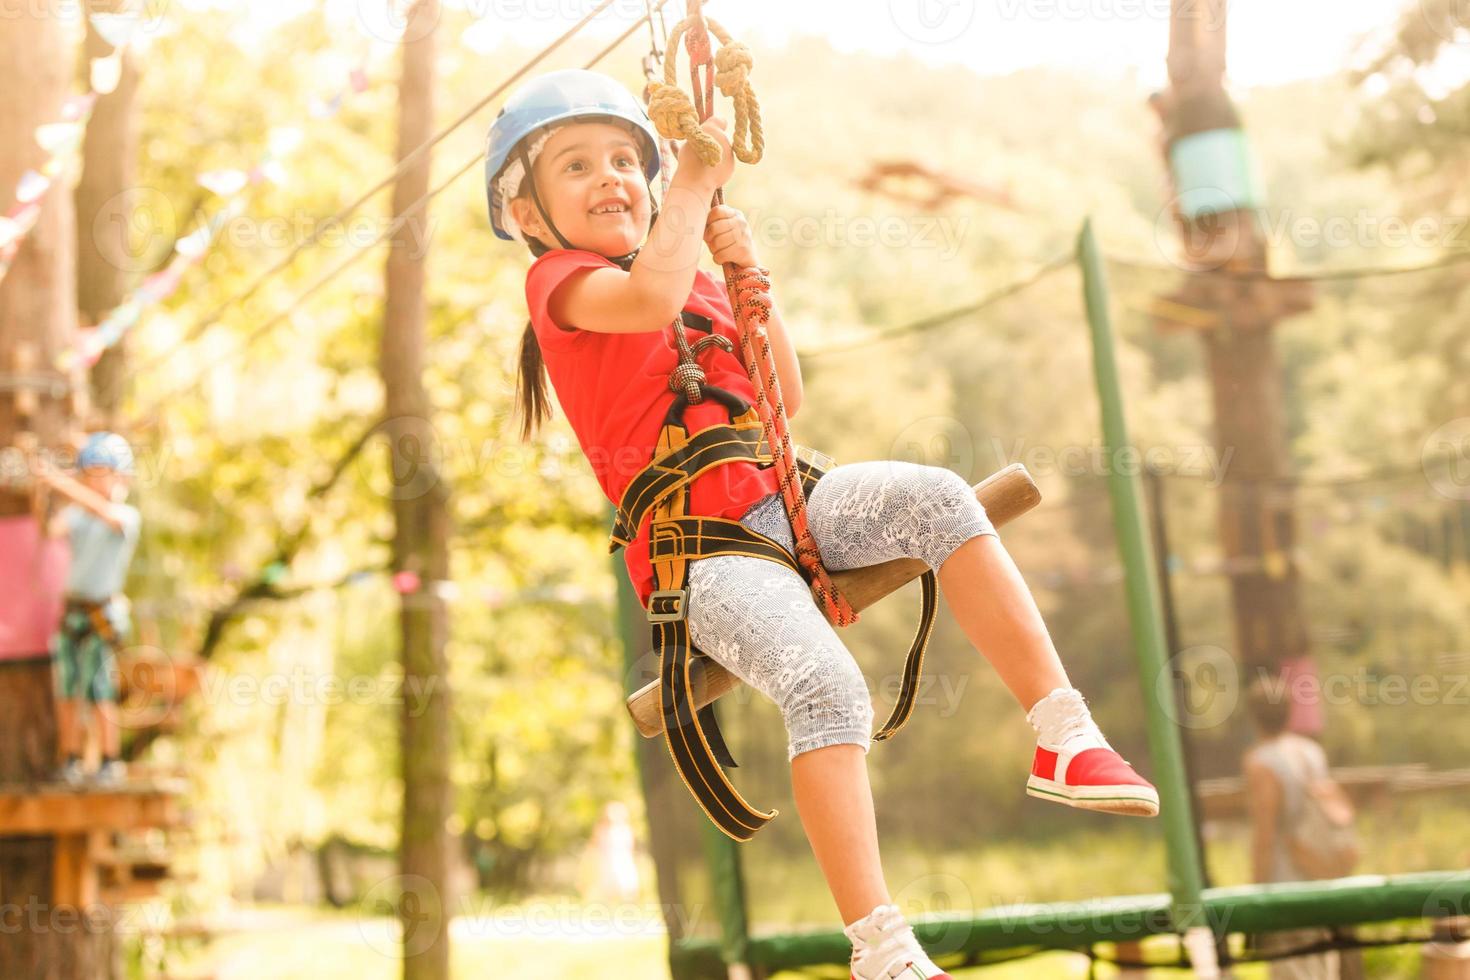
x=749, y=288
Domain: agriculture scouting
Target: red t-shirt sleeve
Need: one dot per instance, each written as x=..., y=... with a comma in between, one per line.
x=546, y=273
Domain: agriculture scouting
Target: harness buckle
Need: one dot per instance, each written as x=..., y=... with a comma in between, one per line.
x=820, y=460
x=667, y=597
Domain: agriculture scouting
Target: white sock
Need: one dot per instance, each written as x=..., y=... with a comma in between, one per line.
x=883, y=942
x=1062, y=715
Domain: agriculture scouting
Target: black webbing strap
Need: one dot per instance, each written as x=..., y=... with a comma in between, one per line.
x=694, y=737
x=913, y=664
x=711, y=447
x=97, y=621
x=676, y=538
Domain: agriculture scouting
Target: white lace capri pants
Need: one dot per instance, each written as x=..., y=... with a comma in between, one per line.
x=760, y=621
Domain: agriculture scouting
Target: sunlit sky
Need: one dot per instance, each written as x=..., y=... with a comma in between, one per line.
x=1271, y=41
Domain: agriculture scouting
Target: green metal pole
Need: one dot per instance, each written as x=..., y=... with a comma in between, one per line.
x=722, y=854
x=727, y=876
x=1165, y=746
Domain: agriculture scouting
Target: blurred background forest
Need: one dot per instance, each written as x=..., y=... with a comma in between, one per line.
x=296, y=800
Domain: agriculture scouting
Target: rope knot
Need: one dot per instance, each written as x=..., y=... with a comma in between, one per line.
x=732, y=67
x=673, y=115
x=688, y=378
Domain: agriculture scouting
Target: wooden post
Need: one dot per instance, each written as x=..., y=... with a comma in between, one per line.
x=1229, y=261
x=419, y=501
x=105, y=198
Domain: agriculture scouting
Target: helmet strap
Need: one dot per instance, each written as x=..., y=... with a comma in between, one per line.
x=536, y=198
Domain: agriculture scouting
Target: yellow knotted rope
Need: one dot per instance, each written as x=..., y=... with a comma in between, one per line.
x=673, y=112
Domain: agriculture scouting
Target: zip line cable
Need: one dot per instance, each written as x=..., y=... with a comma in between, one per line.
x=204, y=322
x=148, y=415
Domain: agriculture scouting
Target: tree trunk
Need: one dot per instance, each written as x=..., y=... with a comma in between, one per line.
x=420, y=546
x=106, y=268
x=1256, y=512
x=37, y=296
x=37, y=321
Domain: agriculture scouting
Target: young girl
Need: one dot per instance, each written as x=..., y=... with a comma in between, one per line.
x=569, y=168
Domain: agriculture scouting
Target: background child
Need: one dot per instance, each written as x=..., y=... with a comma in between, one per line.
x=570, y=164
x=103, y=532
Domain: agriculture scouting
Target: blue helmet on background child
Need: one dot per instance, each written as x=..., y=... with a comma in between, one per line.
x=557, y=96
x=106, y=449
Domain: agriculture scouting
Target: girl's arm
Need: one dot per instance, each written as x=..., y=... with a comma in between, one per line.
x=79, y=494
x=1263, y=798
x=729, y=239
x=653, y=291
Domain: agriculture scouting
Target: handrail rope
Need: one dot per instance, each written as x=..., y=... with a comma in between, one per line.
x=929, y=322
x=1330, y=275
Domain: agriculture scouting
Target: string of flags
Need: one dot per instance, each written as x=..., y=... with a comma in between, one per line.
x=357, y=83
x=62, y=140
x=229, y=184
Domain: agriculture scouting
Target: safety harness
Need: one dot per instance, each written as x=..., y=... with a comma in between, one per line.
x=96, y=621
x=660, y=492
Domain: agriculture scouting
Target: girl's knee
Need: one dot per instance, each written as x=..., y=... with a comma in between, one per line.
x=949, y=490
x=828, y=703
x=951, y=516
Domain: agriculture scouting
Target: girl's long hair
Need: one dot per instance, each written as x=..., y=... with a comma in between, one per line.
x=531, y=399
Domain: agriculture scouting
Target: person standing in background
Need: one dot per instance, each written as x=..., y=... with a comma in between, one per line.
x=1278, y=769
x=103, y=533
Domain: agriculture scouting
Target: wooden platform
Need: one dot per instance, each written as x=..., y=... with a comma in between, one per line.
x=56, y=808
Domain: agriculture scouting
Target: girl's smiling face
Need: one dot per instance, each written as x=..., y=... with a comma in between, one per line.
x=590, y=179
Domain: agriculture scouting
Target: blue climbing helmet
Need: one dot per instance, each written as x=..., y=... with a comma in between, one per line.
x=106, y=449
x=555, y=97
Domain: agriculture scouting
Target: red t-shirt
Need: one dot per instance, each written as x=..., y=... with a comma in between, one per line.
x=614, y=389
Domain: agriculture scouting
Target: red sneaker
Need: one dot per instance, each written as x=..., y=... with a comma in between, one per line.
x=1086, y=773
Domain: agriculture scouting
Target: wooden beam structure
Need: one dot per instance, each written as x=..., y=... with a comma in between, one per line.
x=54, y=808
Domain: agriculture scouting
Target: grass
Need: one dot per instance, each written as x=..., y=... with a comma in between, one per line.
x=556, y=936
